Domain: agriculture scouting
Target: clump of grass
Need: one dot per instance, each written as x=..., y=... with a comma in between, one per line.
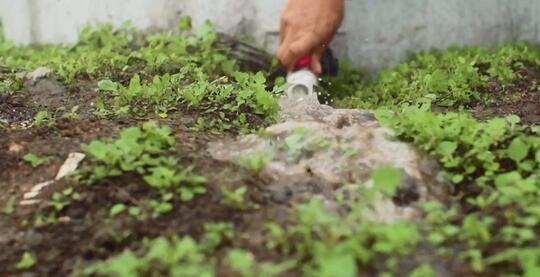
x=449, y=78
x=495, y=167
x=144, y=74
x=146, y=151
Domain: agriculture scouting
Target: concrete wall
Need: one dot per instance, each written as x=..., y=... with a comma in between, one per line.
x=376, y=33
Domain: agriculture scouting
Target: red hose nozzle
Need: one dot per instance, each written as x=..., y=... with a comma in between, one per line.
x=303, y=62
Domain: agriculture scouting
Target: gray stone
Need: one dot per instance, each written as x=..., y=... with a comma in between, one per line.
x=318, y=151
x=38, y=74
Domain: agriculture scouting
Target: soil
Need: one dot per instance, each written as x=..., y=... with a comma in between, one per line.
x=522, y=97
x=84, y=231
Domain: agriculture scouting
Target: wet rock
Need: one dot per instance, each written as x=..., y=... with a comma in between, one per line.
x=36, y=75
x=70, y=165
x=29, y=202
x=316, y=150
x=35, y=190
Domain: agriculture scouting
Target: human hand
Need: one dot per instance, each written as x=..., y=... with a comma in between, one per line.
x=307, y=27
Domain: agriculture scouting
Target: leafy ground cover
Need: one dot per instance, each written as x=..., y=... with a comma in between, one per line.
x=149, y=200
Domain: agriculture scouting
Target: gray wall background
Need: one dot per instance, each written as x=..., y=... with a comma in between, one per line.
x=376, y=33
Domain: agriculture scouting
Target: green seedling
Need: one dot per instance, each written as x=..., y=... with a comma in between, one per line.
x=303, y=141
x=72, y=114
x=241, y=261
x=215, y=234
x=9, y=209
x=42, y=219
x=349, y=150
x=147, y=151
x=163, y=205
x=60, y=200
x=329, y=244
x=449, y=78
x=34, y=160
x=165, y=69
x=175, y=257
x=10, y=85
x=292, y=142
x=27, y=261
x=135, y=211
x=117, y=209
x=423, y=270
x=143, y=150
x=256, y=162
x=235, y=198
x=43, y=117
x=386, y=179
x=478, y=154
x=185, y=24
x=108, y=85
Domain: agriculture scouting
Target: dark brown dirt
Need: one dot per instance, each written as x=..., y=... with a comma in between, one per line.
x=521, y=98
x=13, y=109
x=86, y=232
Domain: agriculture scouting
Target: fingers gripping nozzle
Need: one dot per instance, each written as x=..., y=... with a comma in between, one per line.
x=301, y=80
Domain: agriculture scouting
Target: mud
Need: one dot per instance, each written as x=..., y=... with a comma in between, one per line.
x=522, y=97
x=352, y=145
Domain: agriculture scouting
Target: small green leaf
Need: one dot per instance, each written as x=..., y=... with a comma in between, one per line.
x=8, y=209
x=27, y=261
x=34, y=160
x=518, y=149
x=338, y=265
x=117, y=209
x=535, y=129
x=424, y=270
x=241, y=261
x=447, y=148
x=537, y=156
x=134, y=211
x=458, y=178
x=185, y=24
x=387, y=179
x=513, y=119
x=43, y=117
x=108, y=85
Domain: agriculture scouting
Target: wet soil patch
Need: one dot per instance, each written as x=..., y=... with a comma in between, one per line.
x=18, y=109
x=14, y=110
x=521, y=97
x=84, y=231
